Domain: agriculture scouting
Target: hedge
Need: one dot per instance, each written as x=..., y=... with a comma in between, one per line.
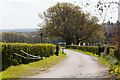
x=8, y=58
x=92, y=49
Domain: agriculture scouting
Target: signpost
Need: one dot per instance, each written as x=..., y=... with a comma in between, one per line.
x=41, y=35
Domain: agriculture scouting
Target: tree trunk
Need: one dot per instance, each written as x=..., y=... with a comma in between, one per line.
x=68, y=42
x=77, y=42
x=81, y=44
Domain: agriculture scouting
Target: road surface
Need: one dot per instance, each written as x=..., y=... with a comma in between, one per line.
x=76, y=65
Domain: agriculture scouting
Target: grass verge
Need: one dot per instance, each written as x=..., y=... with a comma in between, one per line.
x=25, y=70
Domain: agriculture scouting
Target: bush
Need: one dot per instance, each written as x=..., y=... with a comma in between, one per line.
x=112, y=47
x=8, y=58
x=117, y=53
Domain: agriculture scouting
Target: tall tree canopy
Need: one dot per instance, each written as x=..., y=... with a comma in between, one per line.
x=69, y=22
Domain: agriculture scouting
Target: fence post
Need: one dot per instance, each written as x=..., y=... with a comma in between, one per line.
x=62, y=50
x=108, y=51
x=99, y=51
x=57, y=50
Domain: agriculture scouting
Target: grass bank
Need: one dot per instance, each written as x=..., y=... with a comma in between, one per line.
x=25, y=70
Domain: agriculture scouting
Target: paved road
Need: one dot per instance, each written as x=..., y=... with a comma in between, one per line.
x=76, y=65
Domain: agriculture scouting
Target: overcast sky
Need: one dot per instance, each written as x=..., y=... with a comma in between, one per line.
x=18, y=14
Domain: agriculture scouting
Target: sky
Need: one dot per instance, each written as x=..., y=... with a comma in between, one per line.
x=19, y=14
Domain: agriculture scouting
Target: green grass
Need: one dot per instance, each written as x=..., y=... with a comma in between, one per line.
x=100, y=59
x=103, y=61
x=62, y=47
x=25, y=70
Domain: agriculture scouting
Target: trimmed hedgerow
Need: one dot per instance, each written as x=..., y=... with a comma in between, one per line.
x=8, y=58
x=92, y=49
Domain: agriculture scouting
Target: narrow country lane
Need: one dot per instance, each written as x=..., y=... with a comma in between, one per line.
x=76, y=65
